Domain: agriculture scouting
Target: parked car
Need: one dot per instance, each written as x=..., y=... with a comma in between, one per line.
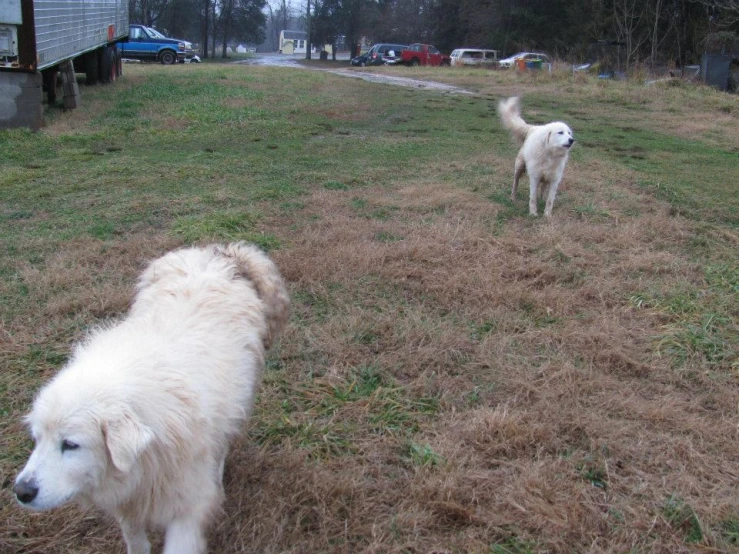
x=360, y=60
x=476, y=57
x=423, y=54
x=147, y=44
x=387, y=54
x=379, y=54
x=511, y=61
x=390, y=60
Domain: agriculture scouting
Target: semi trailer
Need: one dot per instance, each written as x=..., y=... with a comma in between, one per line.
x=40, y=38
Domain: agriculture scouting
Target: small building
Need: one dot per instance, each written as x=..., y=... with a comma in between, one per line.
x=296, y=42
x=293, y=42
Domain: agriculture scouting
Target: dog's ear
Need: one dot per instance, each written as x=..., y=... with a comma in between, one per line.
x=126, y=438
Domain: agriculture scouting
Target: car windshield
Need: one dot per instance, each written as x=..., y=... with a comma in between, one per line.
x=519, y=55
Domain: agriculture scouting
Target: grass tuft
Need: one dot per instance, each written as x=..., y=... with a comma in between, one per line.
x=683, y=518
x=422, y=455
x=225, y=226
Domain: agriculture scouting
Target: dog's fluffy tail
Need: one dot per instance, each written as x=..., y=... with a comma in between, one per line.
x=510, y=114
x=253, y=264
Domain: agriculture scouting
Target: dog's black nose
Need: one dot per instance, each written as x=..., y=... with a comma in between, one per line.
x=572, y=141
x=25, y=491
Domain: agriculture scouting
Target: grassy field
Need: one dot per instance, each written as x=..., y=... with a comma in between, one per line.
x=457, y=376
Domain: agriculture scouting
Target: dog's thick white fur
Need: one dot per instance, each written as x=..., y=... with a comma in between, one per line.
x=543, y=153
x=139, y=421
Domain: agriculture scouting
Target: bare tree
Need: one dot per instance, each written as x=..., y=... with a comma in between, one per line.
x=214, y=30
x=146, y=11
x=273, y=33
x=660, y=11
x=309, y=38
x=227, y=8
x=627, y=16
x=285, y=13
x=204, y=28
x=728, y=10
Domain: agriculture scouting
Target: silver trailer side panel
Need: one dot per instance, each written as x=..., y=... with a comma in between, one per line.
x=68, y=28
x=10, y=12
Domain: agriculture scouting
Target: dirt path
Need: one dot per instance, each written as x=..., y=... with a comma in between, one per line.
x=284, y=60
x=400, y=81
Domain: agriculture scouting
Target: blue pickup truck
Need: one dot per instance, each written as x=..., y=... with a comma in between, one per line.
x=147, y=44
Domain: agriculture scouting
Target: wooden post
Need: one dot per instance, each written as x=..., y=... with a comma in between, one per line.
x=70, y=88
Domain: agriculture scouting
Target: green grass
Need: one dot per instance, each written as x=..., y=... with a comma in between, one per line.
x=694, y=175
x=683, y=518
x=729, y=531
x=339, y=415
x=422, y=455
x=703, y=321
x=226, y=226
x=513, y=545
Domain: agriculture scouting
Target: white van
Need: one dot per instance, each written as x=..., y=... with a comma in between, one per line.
x=474, y=57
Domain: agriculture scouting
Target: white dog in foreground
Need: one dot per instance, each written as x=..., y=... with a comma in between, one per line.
x=543, y=153
x=139, y=421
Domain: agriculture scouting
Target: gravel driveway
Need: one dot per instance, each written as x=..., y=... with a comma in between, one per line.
x=288, y=60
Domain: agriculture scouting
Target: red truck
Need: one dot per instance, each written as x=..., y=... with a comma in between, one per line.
x=423, y=54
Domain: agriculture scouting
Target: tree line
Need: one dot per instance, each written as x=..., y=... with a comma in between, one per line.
x=653, y=32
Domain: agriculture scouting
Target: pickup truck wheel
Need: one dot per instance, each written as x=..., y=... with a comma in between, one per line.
x=414, y=62
x=168, y=57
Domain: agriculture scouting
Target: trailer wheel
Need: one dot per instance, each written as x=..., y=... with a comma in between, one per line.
x=49, y=77
x=112, y=63
x=118, y=63
x=104, y=64
x=168, y=57
x=91, y=67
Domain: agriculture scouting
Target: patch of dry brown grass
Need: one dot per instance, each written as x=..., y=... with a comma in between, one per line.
x=582, y=432
x=456, y=375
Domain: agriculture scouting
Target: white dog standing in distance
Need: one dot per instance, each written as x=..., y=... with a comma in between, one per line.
x=139, y=421
x=543, y=153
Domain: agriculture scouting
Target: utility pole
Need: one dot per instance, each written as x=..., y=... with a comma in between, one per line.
x=307, y=26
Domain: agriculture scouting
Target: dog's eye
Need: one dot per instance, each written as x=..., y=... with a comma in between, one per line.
x=561, y=133
x=68, y=445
